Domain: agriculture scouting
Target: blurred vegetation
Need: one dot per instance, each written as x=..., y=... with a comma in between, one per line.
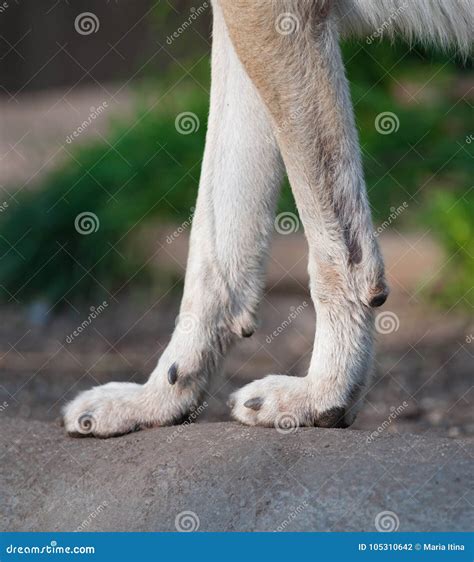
x=147, y=172
x=453, y=217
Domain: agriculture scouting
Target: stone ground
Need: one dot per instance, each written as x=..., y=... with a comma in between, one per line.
x=226, y=477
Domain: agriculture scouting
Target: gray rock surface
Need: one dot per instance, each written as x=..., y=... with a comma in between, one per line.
x=226, y=477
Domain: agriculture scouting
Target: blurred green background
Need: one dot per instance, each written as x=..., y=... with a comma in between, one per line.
x=425, y=166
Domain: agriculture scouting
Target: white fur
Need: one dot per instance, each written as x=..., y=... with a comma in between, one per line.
x=232, y=225
x=445, y=23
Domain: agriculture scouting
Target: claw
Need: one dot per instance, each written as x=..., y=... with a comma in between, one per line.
x=173, y=373
x=254, y=404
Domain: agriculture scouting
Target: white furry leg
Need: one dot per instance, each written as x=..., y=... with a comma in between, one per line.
x=300, y=77
x=231, y=229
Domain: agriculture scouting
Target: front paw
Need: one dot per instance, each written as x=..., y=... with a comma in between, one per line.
x=285, y=403
x=104, y=411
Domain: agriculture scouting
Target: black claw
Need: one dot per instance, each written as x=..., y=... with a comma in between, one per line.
x=254, y=404
x=173, y=373
x=378, y=300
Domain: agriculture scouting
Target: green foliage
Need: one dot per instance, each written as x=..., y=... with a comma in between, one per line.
x=452, y=217
x=428, y=150
x=148, y=171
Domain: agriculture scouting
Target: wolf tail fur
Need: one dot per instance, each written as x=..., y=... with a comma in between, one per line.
x=446, y=23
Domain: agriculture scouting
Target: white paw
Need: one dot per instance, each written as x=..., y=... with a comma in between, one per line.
x=105, y=411
x=266, y=401
x=283, y=402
